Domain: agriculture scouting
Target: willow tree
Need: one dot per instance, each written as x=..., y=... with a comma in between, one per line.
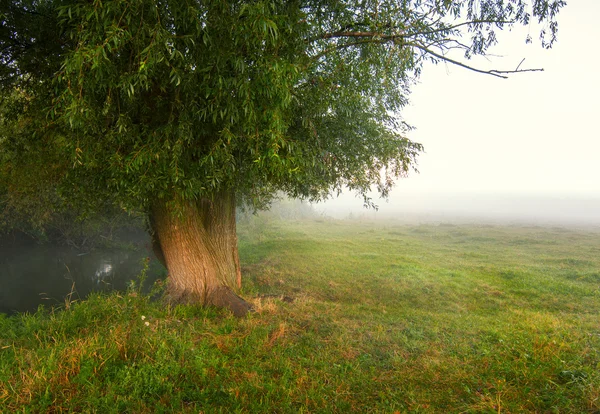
x=181, y=108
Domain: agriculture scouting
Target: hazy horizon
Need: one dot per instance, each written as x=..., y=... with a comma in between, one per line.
x=533, y=135
x=523, y=149
x=583, y=211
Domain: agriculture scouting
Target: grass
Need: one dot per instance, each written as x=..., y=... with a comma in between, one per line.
x=384, y=318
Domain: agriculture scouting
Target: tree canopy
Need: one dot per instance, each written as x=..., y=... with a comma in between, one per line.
x=180, y=99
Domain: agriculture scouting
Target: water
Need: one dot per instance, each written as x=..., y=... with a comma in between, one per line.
x=33, y=274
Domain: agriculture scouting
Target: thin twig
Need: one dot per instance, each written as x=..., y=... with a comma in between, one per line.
x=493, y=72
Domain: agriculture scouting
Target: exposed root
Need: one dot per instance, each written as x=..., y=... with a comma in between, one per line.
x=224, y=297
x=221, y=297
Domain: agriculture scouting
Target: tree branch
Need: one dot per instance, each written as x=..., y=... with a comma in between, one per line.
x=493, y=72
x=366, y=37
x=346, y=45
x=456, y=26
x=371, y=34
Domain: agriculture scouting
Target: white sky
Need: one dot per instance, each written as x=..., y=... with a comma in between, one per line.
x=534, y=133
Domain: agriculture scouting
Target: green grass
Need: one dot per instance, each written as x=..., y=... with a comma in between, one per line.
x=385, y=318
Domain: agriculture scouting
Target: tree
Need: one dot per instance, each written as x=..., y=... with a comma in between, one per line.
x=183, y=108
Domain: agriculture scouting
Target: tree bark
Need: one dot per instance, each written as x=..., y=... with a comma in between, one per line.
x=197, y=243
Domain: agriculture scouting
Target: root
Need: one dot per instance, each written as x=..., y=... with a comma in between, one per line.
x=224, y=297
x=220, y=297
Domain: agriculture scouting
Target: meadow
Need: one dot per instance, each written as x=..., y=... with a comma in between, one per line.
x=350, y=316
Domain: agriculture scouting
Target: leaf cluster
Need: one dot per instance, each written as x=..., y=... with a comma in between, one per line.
x=170, y=99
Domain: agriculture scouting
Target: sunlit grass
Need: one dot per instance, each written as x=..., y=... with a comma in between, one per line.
x=384, y=318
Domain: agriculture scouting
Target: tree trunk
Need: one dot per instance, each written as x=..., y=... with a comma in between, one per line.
x=197, y=243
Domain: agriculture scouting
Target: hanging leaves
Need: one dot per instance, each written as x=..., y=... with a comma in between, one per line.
x=162, y=99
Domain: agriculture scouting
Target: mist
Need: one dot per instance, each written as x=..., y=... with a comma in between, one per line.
x=521, y=150
x=415, y=207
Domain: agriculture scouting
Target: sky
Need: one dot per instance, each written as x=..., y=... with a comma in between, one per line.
x=532, y=135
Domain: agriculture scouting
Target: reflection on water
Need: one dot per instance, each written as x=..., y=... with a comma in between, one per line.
x=34, y=275
x=104, y=270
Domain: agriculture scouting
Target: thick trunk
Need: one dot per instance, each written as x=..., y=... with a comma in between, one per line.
x=197, y=243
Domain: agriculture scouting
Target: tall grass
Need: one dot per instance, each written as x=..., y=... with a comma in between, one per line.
x=376, y=318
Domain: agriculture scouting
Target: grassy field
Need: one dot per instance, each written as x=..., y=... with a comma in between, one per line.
x=350, y=317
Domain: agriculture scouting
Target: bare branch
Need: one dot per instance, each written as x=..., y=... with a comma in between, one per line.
x=493, y=72
x=367, y=37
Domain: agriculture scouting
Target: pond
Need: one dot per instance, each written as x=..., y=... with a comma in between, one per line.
x=33, y=274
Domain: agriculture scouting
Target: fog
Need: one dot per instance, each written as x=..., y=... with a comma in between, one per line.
x=533, y=134
x=517, y=150
x=471, y=208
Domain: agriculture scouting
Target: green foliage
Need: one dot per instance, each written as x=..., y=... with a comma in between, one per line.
x=138, y=100
x=385, y=317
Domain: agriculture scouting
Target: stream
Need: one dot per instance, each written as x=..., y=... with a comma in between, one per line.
x=32, y=274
